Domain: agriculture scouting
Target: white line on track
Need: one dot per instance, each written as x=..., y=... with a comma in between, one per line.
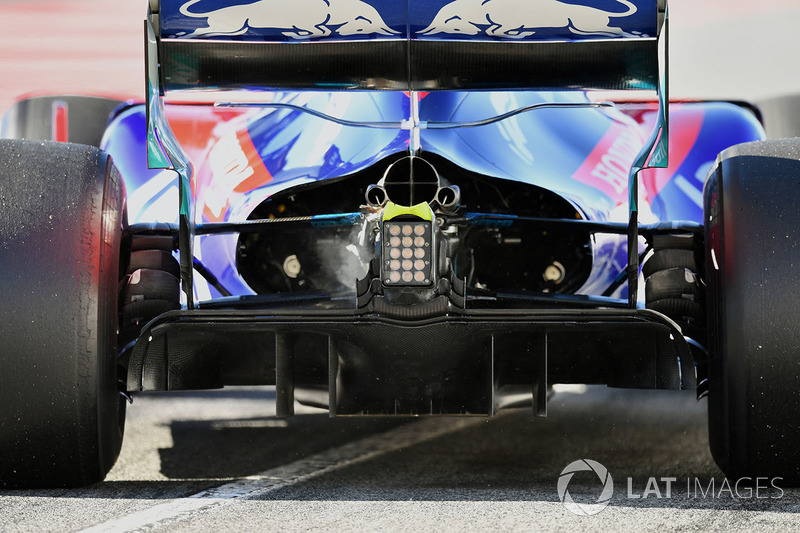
x=287, y=475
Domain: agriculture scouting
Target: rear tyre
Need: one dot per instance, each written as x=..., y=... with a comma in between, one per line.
x=753, y=268
x=61, y=413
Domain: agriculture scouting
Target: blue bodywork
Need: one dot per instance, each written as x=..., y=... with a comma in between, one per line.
x=546, y=148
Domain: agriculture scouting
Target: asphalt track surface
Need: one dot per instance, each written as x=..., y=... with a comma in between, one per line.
x=221, y=461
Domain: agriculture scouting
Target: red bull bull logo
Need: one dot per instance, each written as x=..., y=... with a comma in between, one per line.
x=296, y=19
x=512, y=19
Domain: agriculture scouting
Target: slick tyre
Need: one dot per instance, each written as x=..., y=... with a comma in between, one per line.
x=753, y=269
x=61, y=414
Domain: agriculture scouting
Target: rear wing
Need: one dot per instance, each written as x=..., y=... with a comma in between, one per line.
x=402, y=45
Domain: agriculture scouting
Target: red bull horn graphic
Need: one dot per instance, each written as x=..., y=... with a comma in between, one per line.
x=313, y=20
x=298, y=19
x=517, y=20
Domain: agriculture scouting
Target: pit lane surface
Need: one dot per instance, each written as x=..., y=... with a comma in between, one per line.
x=220, y=461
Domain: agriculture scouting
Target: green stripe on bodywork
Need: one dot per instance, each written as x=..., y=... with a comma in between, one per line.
x=165, y=152
x=655, y=152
